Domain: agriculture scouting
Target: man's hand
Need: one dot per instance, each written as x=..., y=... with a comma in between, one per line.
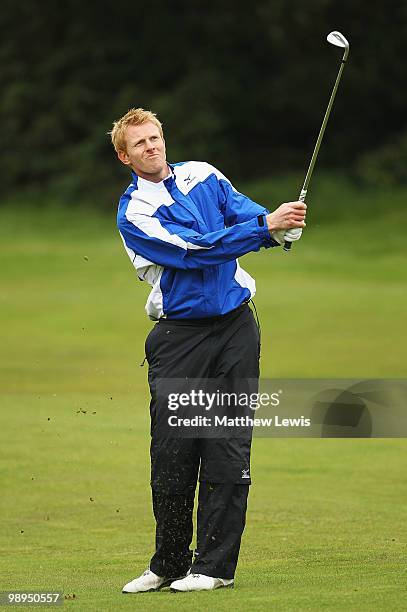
x=291, y=235
x=287, y=221
x=287, y=216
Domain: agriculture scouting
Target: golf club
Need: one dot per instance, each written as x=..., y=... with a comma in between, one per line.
x=337, y=39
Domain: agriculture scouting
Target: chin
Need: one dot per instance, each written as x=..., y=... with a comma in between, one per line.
x=158, y=167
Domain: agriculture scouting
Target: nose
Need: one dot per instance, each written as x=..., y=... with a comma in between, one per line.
x=150, y=144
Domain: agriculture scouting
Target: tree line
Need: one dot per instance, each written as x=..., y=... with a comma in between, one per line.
x=242, y=85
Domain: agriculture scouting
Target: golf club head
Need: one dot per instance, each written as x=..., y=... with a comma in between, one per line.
x=338, y=39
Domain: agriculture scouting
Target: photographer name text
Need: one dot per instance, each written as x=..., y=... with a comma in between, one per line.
x=241, y=421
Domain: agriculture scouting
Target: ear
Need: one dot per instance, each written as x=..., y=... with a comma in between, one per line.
x=124, y=158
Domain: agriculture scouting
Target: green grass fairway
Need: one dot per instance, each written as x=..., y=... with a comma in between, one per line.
x=327, y=520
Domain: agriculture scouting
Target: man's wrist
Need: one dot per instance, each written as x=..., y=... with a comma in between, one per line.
x=270, y=224
x=267, y=239
x=264, y=221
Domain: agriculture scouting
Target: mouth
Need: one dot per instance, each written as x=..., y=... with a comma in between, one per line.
x=153, y=155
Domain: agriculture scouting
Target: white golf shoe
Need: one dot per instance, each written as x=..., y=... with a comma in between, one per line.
x=199, y=582
x=147, y=582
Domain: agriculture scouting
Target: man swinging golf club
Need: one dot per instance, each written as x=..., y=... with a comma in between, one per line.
x=184, y=226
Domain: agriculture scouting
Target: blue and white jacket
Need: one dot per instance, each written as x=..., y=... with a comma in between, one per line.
x=184, y=235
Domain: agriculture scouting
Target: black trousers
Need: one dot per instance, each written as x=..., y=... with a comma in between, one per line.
x=227, y=349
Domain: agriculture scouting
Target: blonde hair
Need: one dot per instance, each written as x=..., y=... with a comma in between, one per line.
x=134, y=116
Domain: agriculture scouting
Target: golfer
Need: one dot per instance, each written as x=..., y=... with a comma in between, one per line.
x=184, y=227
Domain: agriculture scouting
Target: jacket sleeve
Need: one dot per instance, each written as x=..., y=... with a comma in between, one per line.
x=176, y=246
x=235, y=206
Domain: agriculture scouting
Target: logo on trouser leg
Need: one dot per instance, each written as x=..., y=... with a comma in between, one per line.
x=246, y=473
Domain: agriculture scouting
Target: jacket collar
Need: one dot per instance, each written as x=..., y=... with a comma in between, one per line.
x=137, y=178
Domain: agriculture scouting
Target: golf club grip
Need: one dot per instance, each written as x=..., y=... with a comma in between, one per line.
x=301, y=198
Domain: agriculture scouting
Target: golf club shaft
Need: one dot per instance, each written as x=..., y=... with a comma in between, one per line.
x=287, y=245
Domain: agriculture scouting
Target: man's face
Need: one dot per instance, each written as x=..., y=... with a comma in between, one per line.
x=145, y=152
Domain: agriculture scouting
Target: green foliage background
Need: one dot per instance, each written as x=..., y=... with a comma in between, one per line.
x=242, y=85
